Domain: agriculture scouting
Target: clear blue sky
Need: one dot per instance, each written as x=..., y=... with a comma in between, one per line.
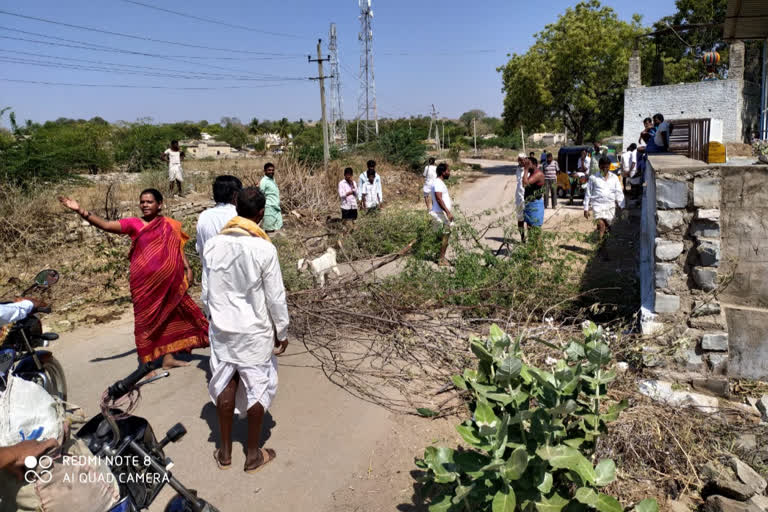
x=426, y=51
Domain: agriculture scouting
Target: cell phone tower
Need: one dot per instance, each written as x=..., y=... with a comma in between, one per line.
x=337, y=127
x=367, y=117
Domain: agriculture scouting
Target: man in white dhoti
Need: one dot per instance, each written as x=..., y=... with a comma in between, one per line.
x=603, y=193
x=244, y=294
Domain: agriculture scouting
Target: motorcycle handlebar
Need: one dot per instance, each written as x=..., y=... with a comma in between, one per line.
x=122, y=387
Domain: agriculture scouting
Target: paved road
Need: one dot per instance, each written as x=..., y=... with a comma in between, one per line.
x=321, y=433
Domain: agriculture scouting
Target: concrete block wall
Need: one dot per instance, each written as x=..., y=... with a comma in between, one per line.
x=717, y=99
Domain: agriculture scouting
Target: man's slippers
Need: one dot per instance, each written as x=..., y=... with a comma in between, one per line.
x=267, y=455
x=218, y=462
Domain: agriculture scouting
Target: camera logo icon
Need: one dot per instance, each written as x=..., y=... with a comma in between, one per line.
x=38, y=469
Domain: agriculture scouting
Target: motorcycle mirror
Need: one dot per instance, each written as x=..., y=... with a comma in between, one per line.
x=47, y=277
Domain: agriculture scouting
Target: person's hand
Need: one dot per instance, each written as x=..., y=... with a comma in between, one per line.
x=70, y=203
x=24, y=449
x=450, y=216
x=280, y=346
x=190, y=275
x=586, y=214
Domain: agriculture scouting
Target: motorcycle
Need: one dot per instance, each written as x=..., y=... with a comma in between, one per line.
x=118, y=436
x=23, y=339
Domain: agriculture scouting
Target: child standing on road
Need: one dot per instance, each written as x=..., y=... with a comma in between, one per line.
x=174, y=156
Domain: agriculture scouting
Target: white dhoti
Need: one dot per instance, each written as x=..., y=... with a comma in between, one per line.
x=440, y=221
x=258, y=383
x=175, y=173
x=607, y=213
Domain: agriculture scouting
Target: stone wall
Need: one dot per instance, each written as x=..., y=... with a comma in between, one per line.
x=687, y=256
x=710, y=264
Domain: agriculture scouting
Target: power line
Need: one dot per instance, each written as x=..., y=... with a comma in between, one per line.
x=100, y=48
x=196, y=74
x=76, y=67
x=130, y=36
x=127, y=86
x=214, y=22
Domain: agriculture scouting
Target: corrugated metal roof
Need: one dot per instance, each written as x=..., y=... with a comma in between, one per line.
x=746, y=19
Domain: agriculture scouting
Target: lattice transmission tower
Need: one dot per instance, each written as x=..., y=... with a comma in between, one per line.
x=337, y=127
x=367, y=117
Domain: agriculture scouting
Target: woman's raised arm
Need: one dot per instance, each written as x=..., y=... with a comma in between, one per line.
x=111, y=226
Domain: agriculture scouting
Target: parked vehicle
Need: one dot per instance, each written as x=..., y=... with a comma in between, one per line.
x=115, y=435
x=23, y=340
x=567, y=160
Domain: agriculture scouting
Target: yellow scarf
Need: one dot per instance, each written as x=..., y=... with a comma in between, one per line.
x=241, y=224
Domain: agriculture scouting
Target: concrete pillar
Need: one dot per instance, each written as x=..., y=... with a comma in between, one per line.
x=635, y=76
x=736, y=60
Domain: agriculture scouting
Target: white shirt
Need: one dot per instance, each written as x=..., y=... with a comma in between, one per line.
x=362, y=181
x=628, y=162
x=603, y=193
x=15, y=311
x=370, y=193
x=658, y=139
x=211, y=222
x=174, y=158
x=439, y=186
x=519, y=188
x=585, y=163
x=244, y=293
x=430, y=175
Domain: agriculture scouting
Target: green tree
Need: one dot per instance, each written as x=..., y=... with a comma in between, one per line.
x=467, y=118
x=674, y=61
x=576, y=72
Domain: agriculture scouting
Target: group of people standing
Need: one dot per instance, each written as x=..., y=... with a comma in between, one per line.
x=245, y=321
x=367, y=191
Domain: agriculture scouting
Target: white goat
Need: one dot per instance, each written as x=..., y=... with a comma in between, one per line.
x=321, y=266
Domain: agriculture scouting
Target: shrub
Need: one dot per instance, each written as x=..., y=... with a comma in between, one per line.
x=400, y=147
x=388, y=231
x=532, y=432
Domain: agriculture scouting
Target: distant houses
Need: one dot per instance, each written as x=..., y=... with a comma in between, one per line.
x=547, y=139
x=208, y=147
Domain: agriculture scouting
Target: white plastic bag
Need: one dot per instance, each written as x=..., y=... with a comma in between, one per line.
x=27, y=411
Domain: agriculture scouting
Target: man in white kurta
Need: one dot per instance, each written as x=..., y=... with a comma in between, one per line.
x=244, y=294
x=603, y=193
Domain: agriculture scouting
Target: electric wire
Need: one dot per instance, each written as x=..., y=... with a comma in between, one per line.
x=164, y=57
x=130, y=86
x=214, y=22
x=129, y=36
x=202, y=75
x=62, y=65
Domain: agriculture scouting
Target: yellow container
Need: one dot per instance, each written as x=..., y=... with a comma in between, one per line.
x=715, y=153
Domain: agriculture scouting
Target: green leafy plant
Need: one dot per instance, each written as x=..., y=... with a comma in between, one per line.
x=532, y=433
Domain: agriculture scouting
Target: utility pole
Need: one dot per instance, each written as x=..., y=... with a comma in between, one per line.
x=321, y=78
x=522, y=136
x=433, y=122
x=474, y=132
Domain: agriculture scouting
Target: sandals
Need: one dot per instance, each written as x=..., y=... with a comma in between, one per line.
x=218, y=462
x=267, y=455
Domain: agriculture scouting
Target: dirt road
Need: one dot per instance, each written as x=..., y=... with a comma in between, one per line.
x=335, y=452
x=496, y=191
x=321, y=434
